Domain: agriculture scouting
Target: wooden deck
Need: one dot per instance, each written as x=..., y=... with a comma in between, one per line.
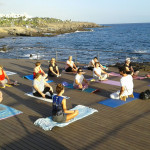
x=123, y=128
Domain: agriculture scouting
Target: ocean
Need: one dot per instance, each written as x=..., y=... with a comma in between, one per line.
x=110, y=44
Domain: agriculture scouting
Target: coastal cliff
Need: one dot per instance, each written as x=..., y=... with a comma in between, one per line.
x=41, y=26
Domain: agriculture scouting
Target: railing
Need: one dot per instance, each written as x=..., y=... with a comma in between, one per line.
x=81, y=55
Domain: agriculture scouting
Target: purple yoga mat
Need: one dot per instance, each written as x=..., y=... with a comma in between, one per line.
x=114, y=74
x=110, y=82
x=139, y=78
x=118, y=75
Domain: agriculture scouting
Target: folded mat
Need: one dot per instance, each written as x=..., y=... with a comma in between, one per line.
x=88, y=90
x=47, y=123
x=8, y=85
x=6, y=112
x=10, y=73
x=44, y=99
x=30, y=77
x=117, y=102
x=110, y=82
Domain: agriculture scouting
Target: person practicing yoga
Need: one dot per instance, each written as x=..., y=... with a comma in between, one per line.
x=97, y=73
x=126, y=82
x=1, y=96
x=38, y=69
x=41, y=87
x=53, y=70
x=70, y=65
x=92, y=64
x=129, y=68
x=80, y=82
x=4, y=79
x=59, y=111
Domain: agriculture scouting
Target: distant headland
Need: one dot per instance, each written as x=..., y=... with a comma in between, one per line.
x=23, y=26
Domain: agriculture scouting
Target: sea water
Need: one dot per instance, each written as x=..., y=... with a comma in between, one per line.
x=110, y=44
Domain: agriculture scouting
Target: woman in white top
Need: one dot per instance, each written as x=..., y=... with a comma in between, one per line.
x=41, y=87
x=97, y=73
x=92, y=64
x=70, y=65
x=80, y=82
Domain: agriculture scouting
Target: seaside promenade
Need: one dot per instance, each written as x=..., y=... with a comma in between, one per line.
x=123, y=128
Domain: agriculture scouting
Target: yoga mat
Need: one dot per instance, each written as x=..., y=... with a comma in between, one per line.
x=63, y=71
x=115, y=102
x=88, y=90
x=117, y=74
x=114, y=74
x=139, y=78
x=43, y=99
x=110, y=82
x=30, y=77
x=47, y=123
x=6, y=112
x=6, y=85
x=10, y=73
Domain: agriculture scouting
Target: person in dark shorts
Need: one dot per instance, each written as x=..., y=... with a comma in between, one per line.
x=59, y=112
x=41, y=87
x=129, y=68
x=53, y=70
x=70, y=65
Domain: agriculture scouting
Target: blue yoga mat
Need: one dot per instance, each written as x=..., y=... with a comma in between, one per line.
x=88, y=90
x=30, y=77
x=47, y=123
x=116, y=102
x=6, y=112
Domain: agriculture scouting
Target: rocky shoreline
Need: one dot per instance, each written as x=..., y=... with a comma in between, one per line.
x=52, y=29
x=145, y=66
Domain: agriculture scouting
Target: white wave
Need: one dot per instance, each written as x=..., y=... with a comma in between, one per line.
x=3, y=51
x=141, y=51
x=84, y=31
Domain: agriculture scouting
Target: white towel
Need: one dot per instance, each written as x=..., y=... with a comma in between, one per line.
x=10, y=73
x=44, y=99
x=47, y=123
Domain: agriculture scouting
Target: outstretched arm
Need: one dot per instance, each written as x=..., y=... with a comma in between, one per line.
x=121, y=91
x=7, y=77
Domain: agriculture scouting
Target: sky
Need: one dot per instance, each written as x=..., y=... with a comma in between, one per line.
x=98, y=11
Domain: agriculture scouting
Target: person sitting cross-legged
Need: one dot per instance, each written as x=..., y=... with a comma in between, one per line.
x=4, y=79
x=129, y=68
x=53, y=70
x=126, y=82
x=60, y=113
x=80, y=82
x=41, y=87
x=97, y=73
x=1, y=96
x=38, y=69
x=70, y=65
